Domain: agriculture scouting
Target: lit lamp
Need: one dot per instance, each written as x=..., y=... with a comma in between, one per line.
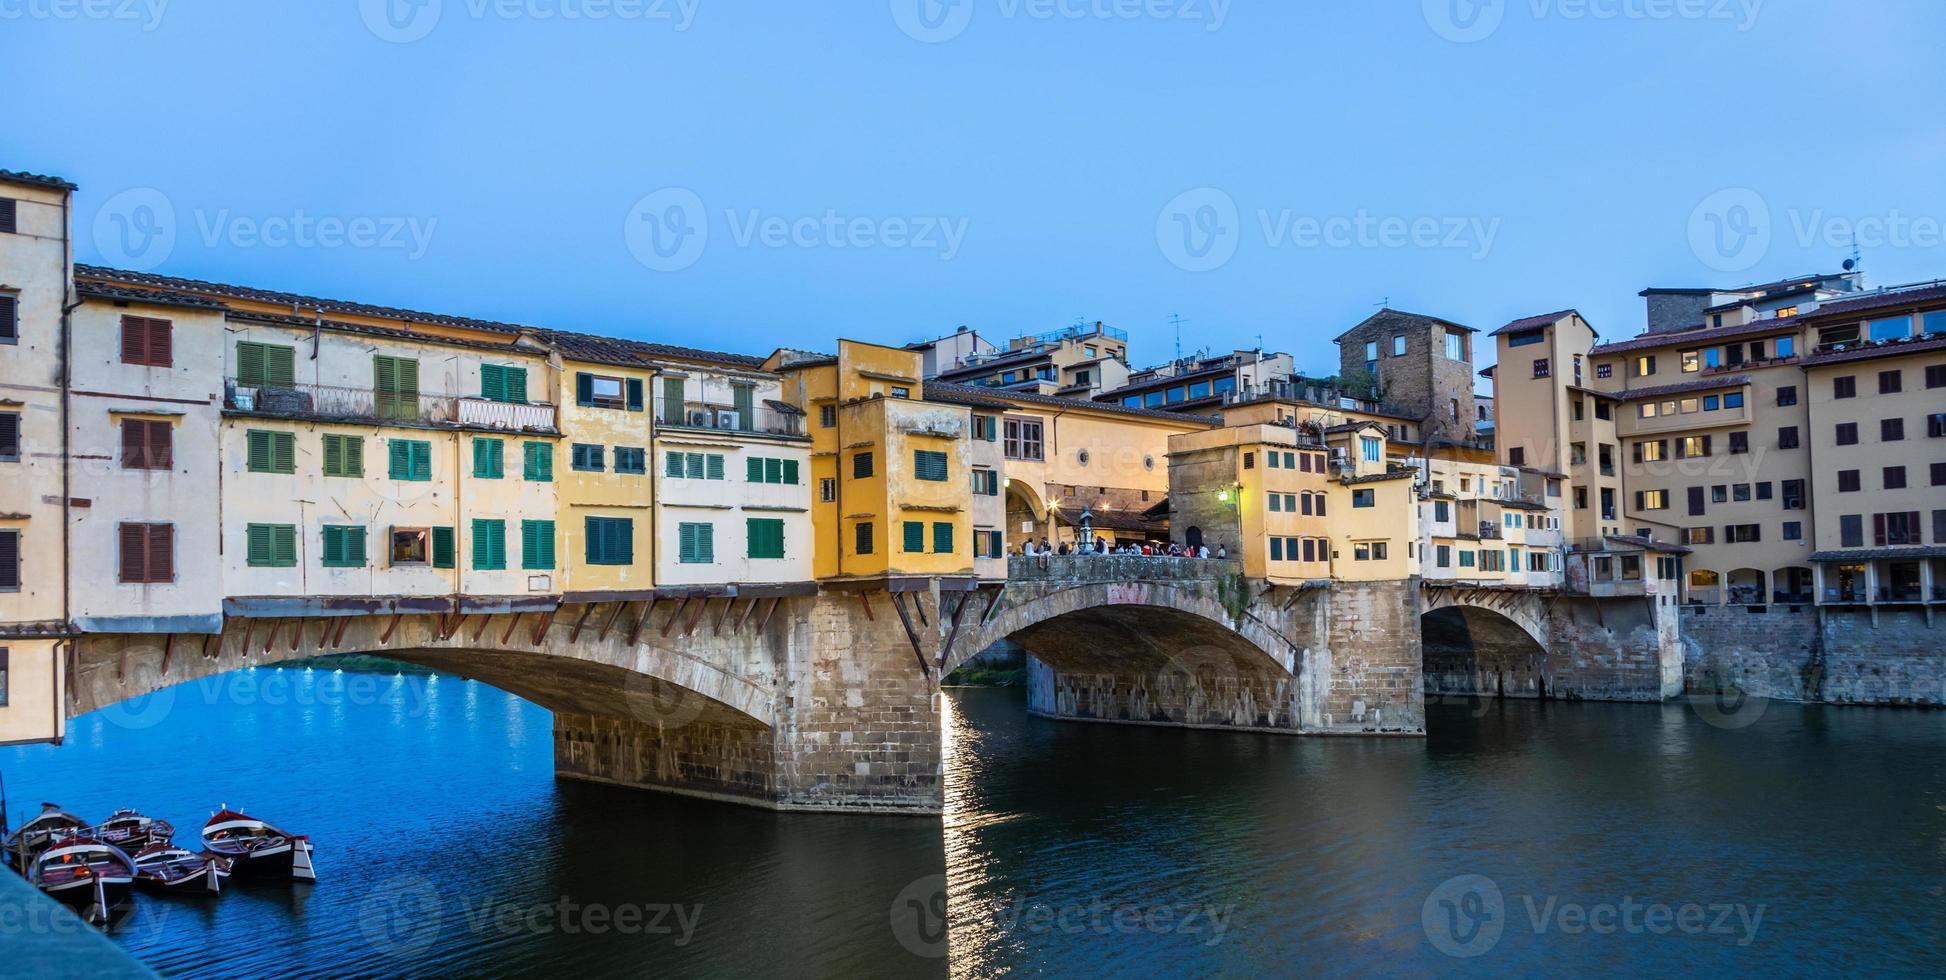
x=1088, y=527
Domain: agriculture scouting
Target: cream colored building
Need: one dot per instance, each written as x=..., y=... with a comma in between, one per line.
x=1483, y=524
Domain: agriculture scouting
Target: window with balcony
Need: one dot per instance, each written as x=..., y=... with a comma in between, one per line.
x=265, y=365
x=499, y=383
x=395, y=387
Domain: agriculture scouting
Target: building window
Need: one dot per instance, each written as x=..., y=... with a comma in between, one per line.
x=503, y=384
x=1651, y=500
x=1939, y=474
x=489, y=544
x=9, y=225
x=1935, y=428
x=942, y=537
x=765, y=537
x=1891, y=382
x=270, y=452
x=757, y=469
x=488, y=458
x=587, y=457
x=605, y=391
x=1845, y=387
x=147, y=444
x=1894, y=477
x=148, y=553
x=1787, y=395
x=1851, y=531
x=3, y=667
x=915, y=537
x=1645, y=365
x=265, y=365
x=608, y=540
x=1371, y=449
x=147, y=342
x=1793, y=531
x=537, y=463
x=9, y=437
x=344, y=456
x=1787, y=437
x=986, y=428
x=9, y=318
x=1362, y=499
x=861, y=466
x=395, y=387
x=1023, y=439
x=265, y=546
x=1371, y=353
x=1891, y=328
x=929, y=466
x=692, y=466
x=410, y=546
x=537, y=545
x=1936, y=373
x=1898, y=528
x=410, y=460
x=1739, y=442
x=828, y=490
x=631, y=460
x=1455, y=345
x=1541, y=367
x=862, y=538
x=1793, y=492
x=1847, y=433
x=696, y=544
x=827, y=416
x=986, y=483
x=1891, y=430
x=343, y=546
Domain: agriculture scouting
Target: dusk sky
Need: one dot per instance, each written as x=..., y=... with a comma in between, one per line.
x=646, y=169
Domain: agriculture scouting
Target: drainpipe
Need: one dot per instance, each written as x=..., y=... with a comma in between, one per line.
x=65, y=357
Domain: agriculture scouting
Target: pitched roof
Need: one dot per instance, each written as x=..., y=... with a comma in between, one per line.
x=946, y=391
x=1762, y=287
x=1529, y=323
x=35, y=180
x=1380, y=477
x=1698, y=335
x=1401, y=318
x=1923, y=294
x=510, y=346
x=1884, y=348
x=1648, y=543
x=1704, y=384
x=598, y=349
x=1857, y=554
x=157, y=297
x=999, y=363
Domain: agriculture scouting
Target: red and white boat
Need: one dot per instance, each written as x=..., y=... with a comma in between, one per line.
x=132, y=831
x=85, y=874
x=172, y=870
x=34, y=836
x=257, y=848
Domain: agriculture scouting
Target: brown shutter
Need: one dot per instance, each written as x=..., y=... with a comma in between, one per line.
x=1913, y=535
x=134, y=556
x=134, y=444
x=10, y=559
x=161, y=445
x=135, y=347
x=162, y=553
x=1878, y=529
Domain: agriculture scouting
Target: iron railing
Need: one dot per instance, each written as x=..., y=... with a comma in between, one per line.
x=338, y=403
x=721, y=418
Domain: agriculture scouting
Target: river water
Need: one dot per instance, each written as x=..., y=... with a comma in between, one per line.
x=1517, y=838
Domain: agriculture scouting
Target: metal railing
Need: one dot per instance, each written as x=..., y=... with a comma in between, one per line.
x=338, y=403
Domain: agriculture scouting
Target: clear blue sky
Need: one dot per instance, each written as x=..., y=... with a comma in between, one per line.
x=538, y=150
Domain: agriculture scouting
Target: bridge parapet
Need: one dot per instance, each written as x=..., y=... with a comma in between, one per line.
x=1119, y=568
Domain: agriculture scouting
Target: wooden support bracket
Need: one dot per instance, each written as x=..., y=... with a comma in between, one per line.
x=513, y=623
x=745, y=618
x=641, y=620
x=580, y=621
x=338, y=635
x=865, y=599
x=768, y=611
x=212, y=646
x=386, y=637
x=670, y=623
x=276, y=627
x=168, y=653
x=479, y=628
x=919, y=654
x=540, y=628
x=952, y=632
x=695, y=617
x=610, y=622
x=717, y=629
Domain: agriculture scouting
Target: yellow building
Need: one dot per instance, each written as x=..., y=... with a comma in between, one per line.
x=1258, y=493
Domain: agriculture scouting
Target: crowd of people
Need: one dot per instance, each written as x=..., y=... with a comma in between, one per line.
x=1099, y=546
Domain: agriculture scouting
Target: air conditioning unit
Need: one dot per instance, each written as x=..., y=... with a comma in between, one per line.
x=699, y=420
x=728, y=420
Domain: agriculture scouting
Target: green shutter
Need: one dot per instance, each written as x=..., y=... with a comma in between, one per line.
x=754, y=470
x=283, y=456
x=584, y=388
x=344, y=455
x=249, y=364
x=634, y=387
x=489, y=544
x=516, y=385
x=715, y=466
x=400, y=463
x=270, y=452
x=790, y=472
x=537, y=545
x=489, y=461
x=344, y=547
x=862, y=538
x=915, y=537
x=746, y=411
x=257, y=443
x=942, y=538
x=395, y=387
x=334, y=456
x=280, y=366
x=442, y=547
x=773, y=471
x=410, y=460
x=493, y=382
x=766, y=537
x=538, y=464
x=283, y=545
x=929, y=466
x=672, y=401
x=693, y=465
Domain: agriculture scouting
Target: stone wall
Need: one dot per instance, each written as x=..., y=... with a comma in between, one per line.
x=1801, y=654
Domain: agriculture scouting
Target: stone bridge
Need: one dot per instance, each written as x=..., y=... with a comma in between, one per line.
x=826, y=698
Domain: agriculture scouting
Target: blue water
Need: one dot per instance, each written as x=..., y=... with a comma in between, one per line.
x=1518, y=838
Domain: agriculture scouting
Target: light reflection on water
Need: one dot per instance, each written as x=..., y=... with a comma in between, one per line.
x=435, y=811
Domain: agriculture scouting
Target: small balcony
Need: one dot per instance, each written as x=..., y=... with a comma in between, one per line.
x=341, y=404
x=759, y=419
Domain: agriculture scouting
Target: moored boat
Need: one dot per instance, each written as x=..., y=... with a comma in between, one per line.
x=34, y=836
x=132, y=831
x=256, y=848
x=85, y=874
x=172, y=870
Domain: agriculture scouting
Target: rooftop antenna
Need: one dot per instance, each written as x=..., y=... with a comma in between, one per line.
x=1176, y=320
x=1386, y=303
x=1852, y=264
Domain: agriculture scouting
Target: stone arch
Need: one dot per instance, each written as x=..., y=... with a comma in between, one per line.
x=1745, y=587
x=633, y=675
x=1471, y=648
x=1025, y=504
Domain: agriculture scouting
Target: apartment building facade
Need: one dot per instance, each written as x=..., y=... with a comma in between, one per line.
x=1421, y=367
x=1078, y=361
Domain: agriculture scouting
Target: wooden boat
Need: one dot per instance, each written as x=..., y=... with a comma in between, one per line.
x=172, y=870
x=34, y=836
x=85, y=874
x=256, y=848
x=132, y=831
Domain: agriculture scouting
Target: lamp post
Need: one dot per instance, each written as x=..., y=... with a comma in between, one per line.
x=1088, y=528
